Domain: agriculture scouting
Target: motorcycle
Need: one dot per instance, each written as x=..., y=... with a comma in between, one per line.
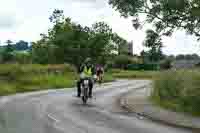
x=85, y=90
x=85, y=86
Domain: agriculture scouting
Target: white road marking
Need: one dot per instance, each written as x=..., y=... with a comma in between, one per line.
x=53, y=118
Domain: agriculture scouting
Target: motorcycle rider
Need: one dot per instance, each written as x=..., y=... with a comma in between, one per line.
x=86, y=69
x=99, y=72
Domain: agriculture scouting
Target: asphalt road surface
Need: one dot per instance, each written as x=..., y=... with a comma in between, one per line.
x=59, y=111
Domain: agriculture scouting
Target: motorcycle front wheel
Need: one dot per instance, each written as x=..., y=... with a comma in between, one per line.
x=85, y=96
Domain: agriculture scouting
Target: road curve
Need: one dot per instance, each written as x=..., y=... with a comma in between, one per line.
x=60, y=112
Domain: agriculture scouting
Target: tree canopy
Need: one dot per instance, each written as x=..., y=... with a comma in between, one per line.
x=21, y=45
x=153, y=41
x=165, y=15
x=70, y=42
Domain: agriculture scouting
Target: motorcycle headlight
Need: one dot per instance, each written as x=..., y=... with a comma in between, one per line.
x=86, y=82
x=82, y=76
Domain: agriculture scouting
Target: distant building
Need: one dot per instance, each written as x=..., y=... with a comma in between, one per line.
x=185, y=64
x=126, y=49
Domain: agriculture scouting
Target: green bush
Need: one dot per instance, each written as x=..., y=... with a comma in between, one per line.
x=22, y=57
x=178, y=90
x=146, y=67
x=121, y=61
x=166, y=64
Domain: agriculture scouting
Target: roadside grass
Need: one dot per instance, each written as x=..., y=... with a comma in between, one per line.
x=108, y=78
x=49, y=81
x=36, y=83
x=178, y=91
x=116, y=73
x=174, y=90
x=16, y=78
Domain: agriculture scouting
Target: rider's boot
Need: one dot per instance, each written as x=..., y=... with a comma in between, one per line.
x=90, y=90
x=78, y=89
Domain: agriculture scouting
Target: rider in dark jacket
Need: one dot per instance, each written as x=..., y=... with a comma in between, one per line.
x=87, y=68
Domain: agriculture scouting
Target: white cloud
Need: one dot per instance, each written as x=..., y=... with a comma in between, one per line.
x=7, y=15
x=26, y=19
x=7, y=21
x=180, y=43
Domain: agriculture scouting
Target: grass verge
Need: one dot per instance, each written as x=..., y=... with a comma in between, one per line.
x=15, y=78
x=178, y=91
x=36, y=83
x=116, y=73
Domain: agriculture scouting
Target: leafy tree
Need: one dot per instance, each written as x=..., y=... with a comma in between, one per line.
x=7, y=55
x=101, y=45
x=180, y=57
x=69, y=42
x=154, y=43
x=171, y=57
x=121, y=44
x=43, y=53
x=166, y=64
x=121, y=61
x=191, y=57
x=57, y=16
x=39, y=54
x=21, y=45
x=9, y=42
x=166, y=15
x=195, y=56
x=22, y=57
x=187, y=57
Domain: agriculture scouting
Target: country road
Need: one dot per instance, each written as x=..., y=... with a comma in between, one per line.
x=58, y=111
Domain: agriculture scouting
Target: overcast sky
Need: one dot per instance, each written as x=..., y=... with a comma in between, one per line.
x=26, y=19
